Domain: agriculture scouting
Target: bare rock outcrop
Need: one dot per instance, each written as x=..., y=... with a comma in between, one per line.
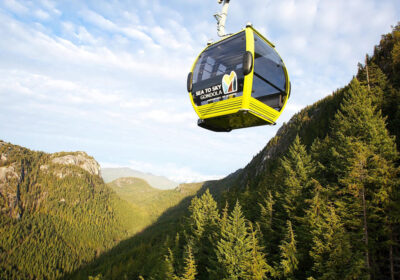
x=9, y=179
x=8, y=173
x=80, y=159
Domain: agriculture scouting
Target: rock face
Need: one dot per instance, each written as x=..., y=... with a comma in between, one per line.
x=20, y=169
x=8, y=173
x=9, y=191
x=3, y=155
x=80, y=159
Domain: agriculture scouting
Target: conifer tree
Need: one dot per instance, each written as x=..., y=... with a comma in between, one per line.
x=289, y=262
x=169, y=266
x=359, y=121
x=297, y=169
x=317, y=204
x=376, y=82
x=234, y=248
x=190, y=266
x=385, y=208
x=203, y=233
x=216, y=271
x=266, y=216
x=296, y=191
x=256, y=267
x=361, y=140
x=204, y=214
x=331, y=251
x=224, y=217
x=189, y=270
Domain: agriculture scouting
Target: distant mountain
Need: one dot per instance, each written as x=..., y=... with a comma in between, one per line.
x=152, y=201
x=159, y=182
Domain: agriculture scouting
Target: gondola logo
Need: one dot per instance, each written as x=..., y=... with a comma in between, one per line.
x=229, y=83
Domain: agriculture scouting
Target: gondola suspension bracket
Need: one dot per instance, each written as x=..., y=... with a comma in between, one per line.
x=221, y=18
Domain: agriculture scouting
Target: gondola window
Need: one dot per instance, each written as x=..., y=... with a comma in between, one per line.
x=269, y=78
x=213, y=64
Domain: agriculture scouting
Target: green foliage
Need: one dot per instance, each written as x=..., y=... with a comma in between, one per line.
x=256, y=267
x=266, y=216
x=190, y=266
x=64, y=216
x=97, y=277
x=203, y=225
x=332, y=252
x=148, y=201
x=169, y=266
x=204, y=214
x=297, y=169
x=234, y=248
x=231, y=250
x=289, y=262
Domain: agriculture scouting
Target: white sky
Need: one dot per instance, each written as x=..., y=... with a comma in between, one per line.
x=109, y=77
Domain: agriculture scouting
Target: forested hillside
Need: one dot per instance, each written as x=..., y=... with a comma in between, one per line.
x=56, y=213
x=320, y=201
x=150, y=201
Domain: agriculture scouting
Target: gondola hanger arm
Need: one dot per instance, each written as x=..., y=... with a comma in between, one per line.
x=221, y=17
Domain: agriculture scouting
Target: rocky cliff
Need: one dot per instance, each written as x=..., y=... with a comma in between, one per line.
x=80, y=159
x=22, y=170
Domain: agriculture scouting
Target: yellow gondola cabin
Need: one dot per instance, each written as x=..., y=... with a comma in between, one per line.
x=239, y=81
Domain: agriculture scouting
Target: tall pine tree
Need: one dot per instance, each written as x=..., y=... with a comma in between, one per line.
x=203, y=233
x=360, y=140
x=297, y=171
x=190, y=270
x=239, y=253
x=289, y=261
x=331, y=250
x=256, y=266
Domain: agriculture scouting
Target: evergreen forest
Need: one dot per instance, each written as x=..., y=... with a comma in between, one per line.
x=320, y=201
x=56, y=213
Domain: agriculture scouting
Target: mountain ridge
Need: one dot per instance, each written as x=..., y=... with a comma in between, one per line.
x=159, y=182
x=56, y=213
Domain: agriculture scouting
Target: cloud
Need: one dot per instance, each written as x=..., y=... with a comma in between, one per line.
x=174, y=172
x=167, y=116
x=133, y=32
x=42, y=15
x=293, y=108
x=50, y=7
x=46, y=89
x=33, y=44
x=98, y=20
x=16, y=6
x=138, y=103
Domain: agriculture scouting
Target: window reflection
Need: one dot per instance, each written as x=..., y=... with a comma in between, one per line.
x=269, y=80
x=215, y=62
